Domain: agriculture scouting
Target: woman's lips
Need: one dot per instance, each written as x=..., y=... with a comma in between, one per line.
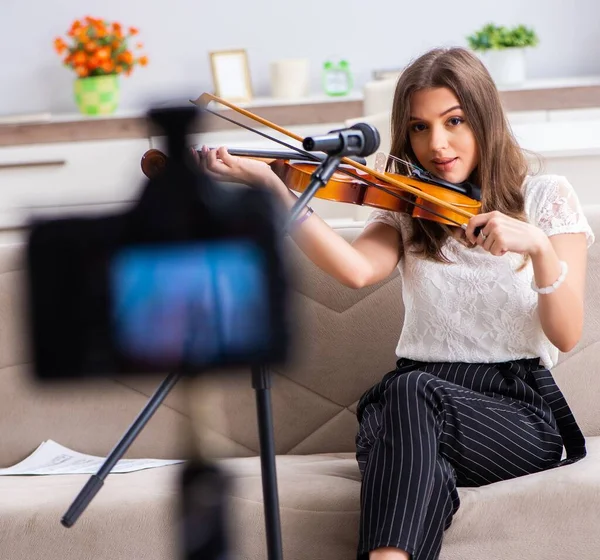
x=444, y=164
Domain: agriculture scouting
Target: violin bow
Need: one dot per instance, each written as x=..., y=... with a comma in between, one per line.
x=407, y=184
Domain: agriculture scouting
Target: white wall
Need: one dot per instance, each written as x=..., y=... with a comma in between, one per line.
x=180, y=33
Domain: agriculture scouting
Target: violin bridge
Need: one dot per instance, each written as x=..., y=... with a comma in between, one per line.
x=380, y=162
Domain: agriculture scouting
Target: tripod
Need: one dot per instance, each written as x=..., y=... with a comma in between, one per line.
x=261, y=382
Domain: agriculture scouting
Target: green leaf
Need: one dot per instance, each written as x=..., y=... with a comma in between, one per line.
x=496, y=37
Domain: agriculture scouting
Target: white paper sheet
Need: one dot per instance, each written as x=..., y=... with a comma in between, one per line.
x=53, y=458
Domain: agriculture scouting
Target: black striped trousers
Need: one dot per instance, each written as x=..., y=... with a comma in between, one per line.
x=427, y=428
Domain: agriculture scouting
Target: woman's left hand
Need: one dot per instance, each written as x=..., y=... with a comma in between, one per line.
x=500, y=233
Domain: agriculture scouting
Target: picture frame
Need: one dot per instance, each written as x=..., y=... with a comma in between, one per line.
x=231, y=74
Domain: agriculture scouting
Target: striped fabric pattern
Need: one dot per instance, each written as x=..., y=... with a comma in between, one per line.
x=427, y=428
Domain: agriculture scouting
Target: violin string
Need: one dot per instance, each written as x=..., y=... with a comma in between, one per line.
x=264, y=135
x=409, y=164
x=346, y=171
x=409, y=201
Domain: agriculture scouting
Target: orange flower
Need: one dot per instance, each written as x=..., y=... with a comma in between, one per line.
x=103, y=53
x=117, y=30
x=59, y=45
x=75, y=27
x=79, y=58
x=98, y=47
x=93, y=61
x=126, y=57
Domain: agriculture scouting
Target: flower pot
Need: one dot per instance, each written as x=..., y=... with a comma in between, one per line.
x=507, y=66
x=97, y=95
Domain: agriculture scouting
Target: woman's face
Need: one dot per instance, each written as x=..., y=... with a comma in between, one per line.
x=440, y=136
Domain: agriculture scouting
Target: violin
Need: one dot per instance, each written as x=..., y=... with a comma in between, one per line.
x=419, y=194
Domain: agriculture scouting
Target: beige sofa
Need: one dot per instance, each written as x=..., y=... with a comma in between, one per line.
x=344, y=343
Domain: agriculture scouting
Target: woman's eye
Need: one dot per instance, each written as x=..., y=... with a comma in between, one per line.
x=455, y=120
x=417, y=127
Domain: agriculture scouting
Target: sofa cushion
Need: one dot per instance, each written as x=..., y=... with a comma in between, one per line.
x=319, y=497
x=88, y=417
x=132, y=517
x=551, y=514
x=319, y=500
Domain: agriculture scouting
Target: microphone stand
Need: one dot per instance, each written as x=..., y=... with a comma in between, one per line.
x=319, y=178
x=261, y=383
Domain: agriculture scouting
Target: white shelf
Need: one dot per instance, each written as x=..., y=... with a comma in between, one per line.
x=357, y=95
x=46, y=117
x=552, y=83
x=560, y=138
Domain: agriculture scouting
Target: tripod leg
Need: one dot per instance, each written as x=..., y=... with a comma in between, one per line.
x=261, y=382
x=96, y=481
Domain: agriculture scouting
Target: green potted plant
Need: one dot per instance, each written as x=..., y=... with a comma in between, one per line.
x=503, y=50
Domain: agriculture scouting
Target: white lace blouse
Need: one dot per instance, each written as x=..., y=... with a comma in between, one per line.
x=479, y=308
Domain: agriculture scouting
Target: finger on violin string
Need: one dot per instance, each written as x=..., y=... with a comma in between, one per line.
x=196, y=156
x=224, y=155
x=212, y=162
x=472, y=233
x=476, y=225
x=202, y=155
x=227, y=158
x=477, y=232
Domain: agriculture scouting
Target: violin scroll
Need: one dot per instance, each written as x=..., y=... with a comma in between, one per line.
x=153, y=162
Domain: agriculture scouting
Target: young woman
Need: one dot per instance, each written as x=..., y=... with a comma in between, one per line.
x=471, y=400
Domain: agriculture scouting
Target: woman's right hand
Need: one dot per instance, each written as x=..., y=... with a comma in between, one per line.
x=222, y=166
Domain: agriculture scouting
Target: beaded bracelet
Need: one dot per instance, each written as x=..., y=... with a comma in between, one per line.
x=552, y=288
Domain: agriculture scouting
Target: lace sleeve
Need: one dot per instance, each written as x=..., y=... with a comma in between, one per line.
x=555, y=208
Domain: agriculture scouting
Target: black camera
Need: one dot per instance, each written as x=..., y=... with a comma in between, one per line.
x=190, y=278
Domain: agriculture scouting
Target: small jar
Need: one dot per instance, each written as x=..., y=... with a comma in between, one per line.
x=337, y=78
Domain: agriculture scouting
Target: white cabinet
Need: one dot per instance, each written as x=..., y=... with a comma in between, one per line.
x=74, y=174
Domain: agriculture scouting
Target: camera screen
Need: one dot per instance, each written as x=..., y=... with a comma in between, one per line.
x=198, y=303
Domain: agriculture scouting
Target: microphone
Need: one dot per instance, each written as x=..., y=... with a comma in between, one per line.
x=362, y=139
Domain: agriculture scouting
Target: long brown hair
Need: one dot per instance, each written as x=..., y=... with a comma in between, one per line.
x=502, y=165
